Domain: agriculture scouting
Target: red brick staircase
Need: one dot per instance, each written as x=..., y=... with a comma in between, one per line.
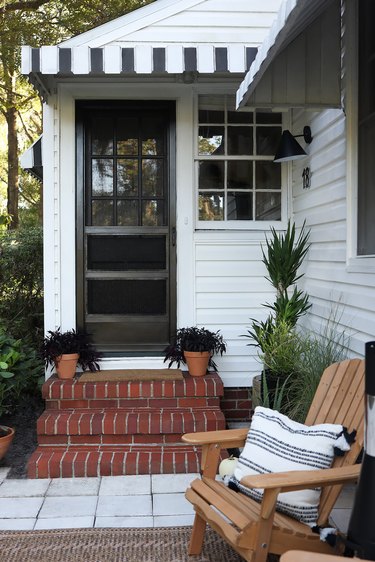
x=113, y=428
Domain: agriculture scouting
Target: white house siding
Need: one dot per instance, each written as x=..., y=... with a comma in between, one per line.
x=328, y=279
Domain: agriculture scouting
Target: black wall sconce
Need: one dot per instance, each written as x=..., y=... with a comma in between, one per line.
x=289, y=149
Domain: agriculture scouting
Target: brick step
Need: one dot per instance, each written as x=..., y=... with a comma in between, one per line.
x=67, y=394
x=68, y=462
x=120, y=423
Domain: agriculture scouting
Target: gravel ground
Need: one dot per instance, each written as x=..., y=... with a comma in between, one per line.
x=23, y=419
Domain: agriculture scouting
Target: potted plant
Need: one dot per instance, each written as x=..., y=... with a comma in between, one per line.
x=276, y=338
x=65, y=350
x=195, y=347
x=6, y=437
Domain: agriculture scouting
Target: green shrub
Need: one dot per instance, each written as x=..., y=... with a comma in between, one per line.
x=21, y=284
x=21, y=371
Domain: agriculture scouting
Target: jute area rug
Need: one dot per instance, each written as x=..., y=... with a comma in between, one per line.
x=111, y=545
x=119, y=375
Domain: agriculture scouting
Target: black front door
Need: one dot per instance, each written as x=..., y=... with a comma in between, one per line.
x=126, y=258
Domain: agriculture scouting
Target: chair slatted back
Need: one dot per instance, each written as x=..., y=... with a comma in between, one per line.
x=340, y=399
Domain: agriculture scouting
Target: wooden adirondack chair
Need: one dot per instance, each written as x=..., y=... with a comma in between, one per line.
x=254, y=529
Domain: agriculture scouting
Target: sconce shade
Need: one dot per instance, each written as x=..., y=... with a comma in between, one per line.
x=289, y=149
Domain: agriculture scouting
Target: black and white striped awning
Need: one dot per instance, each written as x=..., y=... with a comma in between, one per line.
x=31, y=160
x=138, y=59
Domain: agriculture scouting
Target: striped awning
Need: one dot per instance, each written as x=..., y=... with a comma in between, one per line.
x=136, y=59
x=31, y=160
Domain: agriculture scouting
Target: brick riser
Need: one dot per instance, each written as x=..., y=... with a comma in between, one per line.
x=110, y=428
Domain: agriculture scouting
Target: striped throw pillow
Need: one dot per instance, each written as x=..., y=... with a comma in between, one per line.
x=276, y=443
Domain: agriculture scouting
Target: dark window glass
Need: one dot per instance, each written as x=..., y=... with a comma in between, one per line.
x=102, y=136
x=240, y=174
x=127, y=136
x=239, y=206
x=211, y=116
x=211, y=207
x=268, y=117
x=240, y=141
x=240, y=117
x=127, y=212
x=102, y=213
x=267, y=140
x=152, y=136
x=153, y=213
x=123, y=296
x=126, y=253
x=267, y=175
x=152, y=178
x=268, y=207
x=211, y=140
x=211, y=175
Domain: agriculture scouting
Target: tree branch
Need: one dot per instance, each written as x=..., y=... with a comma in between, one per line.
x=25, y=6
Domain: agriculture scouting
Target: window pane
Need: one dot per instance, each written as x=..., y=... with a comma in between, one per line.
x=153, y=213
x=240, y=117
x=102, y=136
x=211, y=109
x=127, y=296
x=102, y=176
x=126, y=253
x=267, y=175
x=127, y=212
x=240, y=174
x=267, y=139
x=268, y=207
x=102, y=213
x=211, y=175
x=127, y=177
x=268, y=117
x=211, y=140
x=211, y=207
x=240, y=140
x=153, y=136
x=239, y=206
x=127, y=136
x=152, y=177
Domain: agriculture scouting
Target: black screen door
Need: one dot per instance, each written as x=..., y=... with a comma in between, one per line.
x=126, y=240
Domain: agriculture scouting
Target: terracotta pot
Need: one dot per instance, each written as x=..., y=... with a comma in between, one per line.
x=197, y=362
x=6, y=440
x=66, y=365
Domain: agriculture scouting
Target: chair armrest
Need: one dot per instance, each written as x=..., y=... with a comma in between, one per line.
x=303, y=479
x=226, y=438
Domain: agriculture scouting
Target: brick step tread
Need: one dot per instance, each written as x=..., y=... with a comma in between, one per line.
x=103, y=439
x=208, y=386
x=112, y=461
x=112, y=422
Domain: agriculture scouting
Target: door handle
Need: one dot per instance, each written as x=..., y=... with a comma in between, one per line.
x=174, y=236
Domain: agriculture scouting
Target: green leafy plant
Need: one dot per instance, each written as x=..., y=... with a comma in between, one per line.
x=57, y=343
x=194, y=339
x=21, y=371
x=273, y=398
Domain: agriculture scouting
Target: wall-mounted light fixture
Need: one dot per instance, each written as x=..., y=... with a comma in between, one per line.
x=289, y=149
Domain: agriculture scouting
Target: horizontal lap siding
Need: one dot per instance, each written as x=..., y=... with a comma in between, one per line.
x=325, y=208
x=230, y=289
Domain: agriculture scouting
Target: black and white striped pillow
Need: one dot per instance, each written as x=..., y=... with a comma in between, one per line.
x=277, y=444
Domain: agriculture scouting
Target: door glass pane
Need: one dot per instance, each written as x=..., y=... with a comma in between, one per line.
x=102, y=136
x=239, y=206
x=127, y=177
x=240, y=140
x=267, y=139
x=152, y=213
x=127, y=212
x=268, y=206
x=267, y=175
x=102, y=176
x=211, y=140
x=211, y=206
x=152, y=177
x=102, y=213
x=127, y=136
x=240, y=174
x=126, y=253
x=211, y=175
x=152, y=136
x=127, y=296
